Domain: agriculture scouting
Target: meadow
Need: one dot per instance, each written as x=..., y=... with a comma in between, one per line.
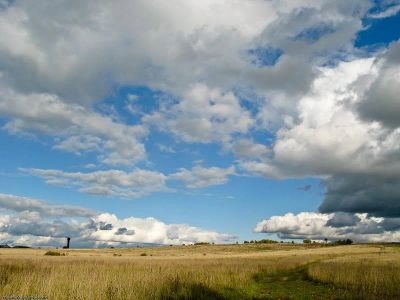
x=251, y=271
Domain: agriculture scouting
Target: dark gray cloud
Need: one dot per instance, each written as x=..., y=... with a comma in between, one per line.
x=341, y=219
x=382, y=100
x=121, y=231
x=124, y=231
x=391, y=224
x=372, y=194
x=105, y=226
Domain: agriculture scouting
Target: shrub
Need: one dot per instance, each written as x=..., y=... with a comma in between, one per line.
x=143, y=254
x=54, y=253
x=344, y=242
x=264, y=241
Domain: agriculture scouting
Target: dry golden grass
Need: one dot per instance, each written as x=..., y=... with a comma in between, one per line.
x=191, y=272
x=371, y=274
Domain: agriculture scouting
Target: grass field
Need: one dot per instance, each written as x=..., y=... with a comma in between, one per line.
x=259, y=271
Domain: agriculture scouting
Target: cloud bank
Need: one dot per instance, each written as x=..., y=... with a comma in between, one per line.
x=38, y=223
x=335, y=226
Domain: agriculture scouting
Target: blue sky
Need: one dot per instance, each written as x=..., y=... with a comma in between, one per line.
x=179, y=125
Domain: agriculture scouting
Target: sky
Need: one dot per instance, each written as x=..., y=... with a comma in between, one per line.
x=184, y=121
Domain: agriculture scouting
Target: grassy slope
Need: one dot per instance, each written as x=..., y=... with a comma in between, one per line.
x=205, y=272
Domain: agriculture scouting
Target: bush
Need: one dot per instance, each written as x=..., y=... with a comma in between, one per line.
x=344, y=242
x=143, y=254
x=264, y=241
x=54, y=253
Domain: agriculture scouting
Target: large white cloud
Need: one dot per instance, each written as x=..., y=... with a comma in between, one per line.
x=150, y=230
x=75, y=49
x=329, y=136
x=70, y=47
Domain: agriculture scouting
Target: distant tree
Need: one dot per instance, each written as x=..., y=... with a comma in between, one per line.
x=307, y=241
x=201, y=243
x=245, y=242
x=344, y=242
x=265, y=241
x=326, y=240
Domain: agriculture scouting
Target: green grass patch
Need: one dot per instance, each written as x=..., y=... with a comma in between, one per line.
x=289, y=284
x=294, y=284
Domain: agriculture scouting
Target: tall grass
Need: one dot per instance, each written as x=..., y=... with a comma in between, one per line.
x=368, y=276
x=119, y=278
x=184, y=273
